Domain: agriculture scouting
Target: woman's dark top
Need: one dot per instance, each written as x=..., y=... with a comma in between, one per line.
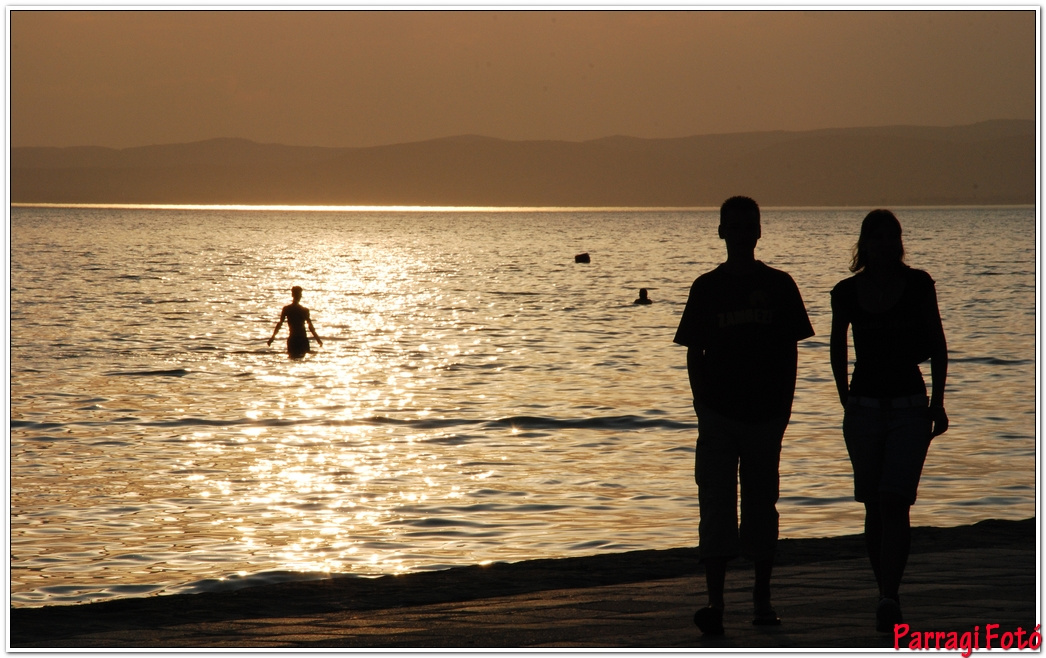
x=890, y=345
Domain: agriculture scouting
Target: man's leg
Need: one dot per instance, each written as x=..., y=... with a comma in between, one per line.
x=759, y=474
x=764, y=568
x=715, y=471
x=715, y=579
x=710, y=618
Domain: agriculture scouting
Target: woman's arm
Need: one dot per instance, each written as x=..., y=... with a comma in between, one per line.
x=839, y=354
x=938, y=375
x=938, y=364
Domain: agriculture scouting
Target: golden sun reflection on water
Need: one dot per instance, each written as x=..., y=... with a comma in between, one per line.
x=333, y=492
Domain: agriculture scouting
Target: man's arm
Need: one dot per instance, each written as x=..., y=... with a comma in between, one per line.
x=693, y=370
x=800, y=319
x=313, y=330
x=277, y=329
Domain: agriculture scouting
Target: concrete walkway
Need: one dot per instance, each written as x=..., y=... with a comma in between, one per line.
x=959, y=580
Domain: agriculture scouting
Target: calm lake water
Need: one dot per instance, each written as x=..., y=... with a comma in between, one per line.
x=479, y=396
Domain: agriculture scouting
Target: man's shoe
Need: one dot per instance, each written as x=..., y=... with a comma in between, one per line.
x=766, y=616
x=709, y=620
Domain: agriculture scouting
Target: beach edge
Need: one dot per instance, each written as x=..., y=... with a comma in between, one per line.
x=459, y=584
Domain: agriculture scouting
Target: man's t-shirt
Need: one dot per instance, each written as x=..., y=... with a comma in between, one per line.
x=746, y=327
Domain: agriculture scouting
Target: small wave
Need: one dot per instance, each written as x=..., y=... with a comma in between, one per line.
x=236, y=582
x=134, y=590
x=992, y=361
x=175, y=372
x=607, y=422
x=500, y=507
x=436, y=522
x=813, y=501
x=529, y=424
x=43, y=425
x=991, y=501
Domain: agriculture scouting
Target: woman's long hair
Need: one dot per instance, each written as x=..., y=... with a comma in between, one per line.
x=872, y=222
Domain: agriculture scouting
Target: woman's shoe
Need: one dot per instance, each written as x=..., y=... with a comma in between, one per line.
x=887, y=615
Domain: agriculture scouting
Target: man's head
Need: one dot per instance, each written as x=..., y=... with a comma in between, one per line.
x=739, y=221
x=296, y=293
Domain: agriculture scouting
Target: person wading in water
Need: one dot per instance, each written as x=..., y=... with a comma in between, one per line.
x=297, y=317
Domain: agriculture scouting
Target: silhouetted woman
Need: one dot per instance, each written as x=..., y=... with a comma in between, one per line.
x=888, y=424
x=297, y=316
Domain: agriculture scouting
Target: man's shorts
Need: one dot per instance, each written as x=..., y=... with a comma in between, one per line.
x=730, y=452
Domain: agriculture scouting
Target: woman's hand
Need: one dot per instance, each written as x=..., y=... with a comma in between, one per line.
x=939, y=419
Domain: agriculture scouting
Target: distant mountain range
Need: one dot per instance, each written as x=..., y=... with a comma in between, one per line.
x=984, y=163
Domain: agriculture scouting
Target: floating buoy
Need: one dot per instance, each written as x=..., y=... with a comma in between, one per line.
x=582, y=258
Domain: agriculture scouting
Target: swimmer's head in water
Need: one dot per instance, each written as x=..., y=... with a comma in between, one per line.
x=296, y=292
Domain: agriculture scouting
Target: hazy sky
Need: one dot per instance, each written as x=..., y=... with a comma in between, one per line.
x=348, y=78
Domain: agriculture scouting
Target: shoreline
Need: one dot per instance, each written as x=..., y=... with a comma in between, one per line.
x=41, y=625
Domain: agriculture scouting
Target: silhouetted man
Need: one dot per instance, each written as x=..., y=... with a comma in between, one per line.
x=297, y=316
x=741, y=325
